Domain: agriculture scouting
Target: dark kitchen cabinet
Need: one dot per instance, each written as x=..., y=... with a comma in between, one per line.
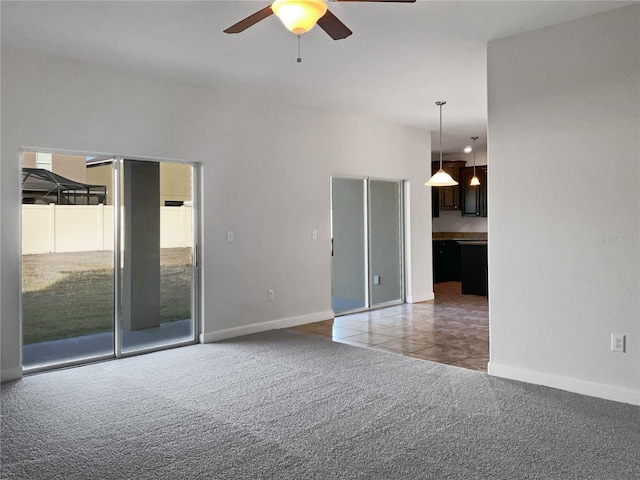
x=473, y=199
x=435, y=203
x=449, y=197
x=446, y=261
x=474, y=268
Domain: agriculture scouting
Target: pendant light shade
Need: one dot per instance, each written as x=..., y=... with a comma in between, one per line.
x=299, y=16
x=474, y=181
x=441, y=178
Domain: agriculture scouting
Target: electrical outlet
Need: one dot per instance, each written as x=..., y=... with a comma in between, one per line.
x=270, y=295
x=617, y=342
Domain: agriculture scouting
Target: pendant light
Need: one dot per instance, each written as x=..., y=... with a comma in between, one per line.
x=441, y=178
x=474, y=181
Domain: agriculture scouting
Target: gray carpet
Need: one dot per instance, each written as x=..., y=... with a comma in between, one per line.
x=284, y=405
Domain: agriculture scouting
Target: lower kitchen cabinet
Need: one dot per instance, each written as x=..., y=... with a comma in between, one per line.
x=446, y=261
x=474, y=268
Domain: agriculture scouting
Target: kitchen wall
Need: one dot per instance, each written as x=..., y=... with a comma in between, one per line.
x=564, y=203
x=255, y=182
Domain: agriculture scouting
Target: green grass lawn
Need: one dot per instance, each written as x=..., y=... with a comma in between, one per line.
x=71, y=294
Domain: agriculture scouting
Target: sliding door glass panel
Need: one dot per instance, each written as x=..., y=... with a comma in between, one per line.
x=349, y=280
x=385, y=241
x=67, y=259
x=157, y=272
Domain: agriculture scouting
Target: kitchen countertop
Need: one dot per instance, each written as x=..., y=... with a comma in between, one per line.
x=460, y=236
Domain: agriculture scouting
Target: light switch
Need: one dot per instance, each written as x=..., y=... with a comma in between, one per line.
x=229, y=236
x=376, y=279
x=314, y=234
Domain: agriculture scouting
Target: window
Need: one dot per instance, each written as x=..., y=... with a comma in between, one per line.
x=44, y=160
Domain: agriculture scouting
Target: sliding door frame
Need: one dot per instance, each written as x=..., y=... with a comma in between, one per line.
x=117, y=257
x=195, y=263
x=196, y=252
x=401, y=244
x=67, y=363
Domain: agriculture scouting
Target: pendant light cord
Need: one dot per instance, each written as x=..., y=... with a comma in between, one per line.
x=474, y=155
x=440, y=104
x=441, y=136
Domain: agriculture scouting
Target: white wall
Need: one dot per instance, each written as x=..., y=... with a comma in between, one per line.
x=564, y=108
x=266, y=170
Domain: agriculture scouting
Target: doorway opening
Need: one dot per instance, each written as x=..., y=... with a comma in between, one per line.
x=108, y=258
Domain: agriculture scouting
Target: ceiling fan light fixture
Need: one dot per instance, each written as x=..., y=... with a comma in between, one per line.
x=299, y=16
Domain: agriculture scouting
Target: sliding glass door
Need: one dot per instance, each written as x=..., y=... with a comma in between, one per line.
x=348, y=226
x=367, y=236
x=385, y=242
x=108, y=258
x=157, y=277
x=67, y=261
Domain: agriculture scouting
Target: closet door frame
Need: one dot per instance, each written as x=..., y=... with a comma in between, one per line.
x=367, y=244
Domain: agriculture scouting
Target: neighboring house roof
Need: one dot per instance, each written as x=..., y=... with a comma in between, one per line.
x=42, y=186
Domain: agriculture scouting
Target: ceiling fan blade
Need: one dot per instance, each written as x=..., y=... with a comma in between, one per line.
x=250, y=21
x=334, y=27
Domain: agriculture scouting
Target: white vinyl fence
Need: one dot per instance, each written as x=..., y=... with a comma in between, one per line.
x=86, y=228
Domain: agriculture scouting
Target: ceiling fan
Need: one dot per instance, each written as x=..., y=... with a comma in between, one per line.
x=300, y=16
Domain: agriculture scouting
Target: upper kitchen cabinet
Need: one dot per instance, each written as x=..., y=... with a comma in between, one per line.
x=473, y=199
x=435, y=203
x=449, y=197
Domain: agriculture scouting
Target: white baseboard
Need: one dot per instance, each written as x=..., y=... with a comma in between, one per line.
x=265, y=326
x=608, y=392
x=423, y=297
x=9, y=374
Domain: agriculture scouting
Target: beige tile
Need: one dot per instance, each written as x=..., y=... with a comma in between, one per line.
x=348, y=341
x=345, y=332
x=399, y=331
x=453, y=328
x=403, y=345
x=478, y=362
x=310, y=328
x=370, y=338
x=438, y=354
x=357, y=323
x=325, y=322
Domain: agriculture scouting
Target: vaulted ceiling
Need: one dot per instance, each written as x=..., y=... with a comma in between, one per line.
x=399, y=61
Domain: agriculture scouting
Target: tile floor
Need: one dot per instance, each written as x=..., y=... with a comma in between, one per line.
x=454, y=329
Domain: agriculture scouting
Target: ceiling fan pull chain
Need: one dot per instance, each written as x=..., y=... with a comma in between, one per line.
x=299, y=58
